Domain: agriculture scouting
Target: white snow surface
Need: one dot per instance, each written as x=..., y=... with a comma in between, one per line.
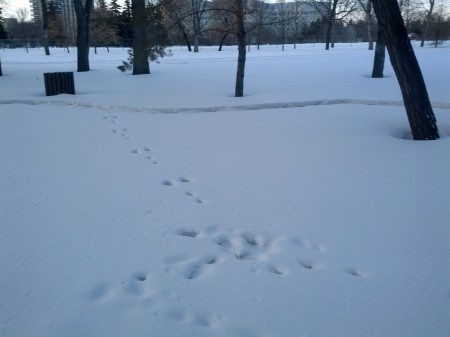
x=160, y=205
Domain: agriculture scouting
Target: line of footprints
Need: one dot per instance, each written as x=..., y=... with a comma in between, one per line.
x=148, y=154
x=247, y=246
x=228, y=244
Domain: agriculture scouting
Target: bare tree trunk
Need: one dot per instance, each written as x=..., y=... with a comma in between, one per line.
x=427, y=24
x=196, y=42
x=222, y=40
x=380, y=55
x=83, y=14
x=328, y=34
x=45, y=26
x=241, y=36
x=183, y=31
x=140, y=39
x=186, y=39
x=369, y=19
x=438, y=32
x=415, y=96
x=330, y=24
x=1, y=72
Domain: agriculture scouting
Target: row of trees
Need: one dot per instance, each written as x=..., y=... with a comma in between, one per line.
x=195, y=22
x=146, y=22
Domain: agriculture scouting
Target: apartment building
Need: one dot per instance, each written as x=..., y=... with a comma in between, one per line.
x=63, y=7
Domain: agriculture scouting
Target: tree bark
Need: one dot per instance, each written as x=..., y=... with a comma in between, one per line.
x=83, y=14
x=380, y=55
x=241, y=36
x=45, y=26
x=330, y=24
x=222, y=40
x=370, y=25
x=140, y=38
x=185, y=35
x=427, y=24
x=415, y=96
x=186, y=39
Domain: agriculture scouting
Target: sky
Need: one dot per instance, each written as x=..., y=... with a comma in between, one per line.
x=13, y=5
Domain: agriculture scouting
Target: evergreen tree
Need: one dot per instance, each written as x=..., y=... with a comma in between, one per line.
x=3, y=34
x=150, y=39
x=101, y=4
x=115, y=8
x=104, y=30
x=125, y=25
x=56, y=35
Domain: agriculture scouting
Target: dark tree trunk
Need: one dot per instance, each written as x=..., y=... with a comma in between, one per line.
x=415, y=96
x=185, y=35
x=380, y=55
x=1, y=73
x=140, y=38
x=222, y=40
x=370, y=25
x=45, y=26
x=330, y=24
x=83, y=14
x=427, y=24
x=241, y=36
x=328, y=34
x=186, y=38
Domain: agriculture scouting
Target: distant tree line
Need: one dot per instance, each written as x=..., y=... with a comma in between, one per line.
x=151, y=26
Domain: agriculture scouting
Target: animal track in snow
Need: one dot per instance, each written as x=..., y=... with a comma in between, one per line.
x=114, y=119
x=309, y=264
x=101, y=292
x=185, y=180
x=122, y=132
x=355, y=272
x=277, y=270
x=189, y=232
x=193, y=271
x=138, y=285
x=168, y=182
x=200, y=267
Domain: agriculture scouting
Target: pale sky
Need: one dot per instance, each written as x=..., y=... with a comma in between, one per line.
x=13, y=5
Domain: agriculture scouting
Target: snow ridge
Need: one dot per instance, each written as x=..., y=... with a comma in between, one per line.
x=260, y=106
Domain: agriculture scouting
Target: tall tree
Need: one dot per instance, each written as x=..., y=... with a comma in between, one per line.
x=260, y=15
x=415, y=96
x=22, y=15
x=56, y=33
x=175, y=13
x=429, y=13
x=366, y=6
x=332, y=11
x=282, y=11
x=103, y=32
x=239, y=11
x=83, y=14
x=115, y=8
x=198, y=8
x=223, y=20
x=44, y=11
x=3, y=34
x=140, y=38
x=379, y=57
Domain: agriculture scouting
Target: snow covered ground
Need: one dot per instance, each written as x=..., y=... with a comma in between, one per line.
x=162, y=206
